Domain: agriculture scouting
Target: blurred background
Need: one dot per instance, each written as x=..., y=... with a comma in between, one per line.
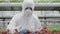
x=48, y=12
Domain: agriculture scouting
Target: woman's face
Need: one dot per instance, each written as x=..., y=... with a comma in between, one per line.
x=28, y=11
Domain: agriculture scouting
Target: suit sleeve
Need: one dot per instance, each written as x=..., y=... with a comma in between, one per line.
x=12, y=24
x=38, y=24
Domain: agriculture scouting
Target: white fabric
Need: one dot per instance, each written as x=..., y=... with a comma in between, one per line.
x=30, y=22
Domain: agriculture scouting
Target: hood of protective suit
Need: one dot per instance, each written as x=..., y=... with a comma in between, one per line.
x=25, y=4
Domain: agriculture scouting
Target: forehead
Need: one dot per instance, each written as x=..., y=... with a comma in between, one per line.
x=28, y=7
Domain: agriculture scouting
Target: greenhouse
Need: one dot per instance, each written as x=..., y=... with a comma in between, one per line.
x=48, y=12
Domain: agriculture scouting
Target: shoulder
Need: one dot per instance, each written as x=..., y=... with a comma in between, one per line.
x=36, y=17
x=17, y=16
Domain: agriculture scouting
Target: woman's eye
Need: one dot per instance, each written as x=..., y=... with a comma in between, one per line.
x=28, y=8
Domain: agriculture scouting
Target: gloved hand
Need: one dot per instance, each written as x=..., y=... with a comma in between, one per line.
x=8, y=31
x=16, y=31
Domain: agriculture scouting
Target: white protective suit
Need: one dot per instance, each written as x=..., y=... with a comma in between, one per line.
x=26, y=19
